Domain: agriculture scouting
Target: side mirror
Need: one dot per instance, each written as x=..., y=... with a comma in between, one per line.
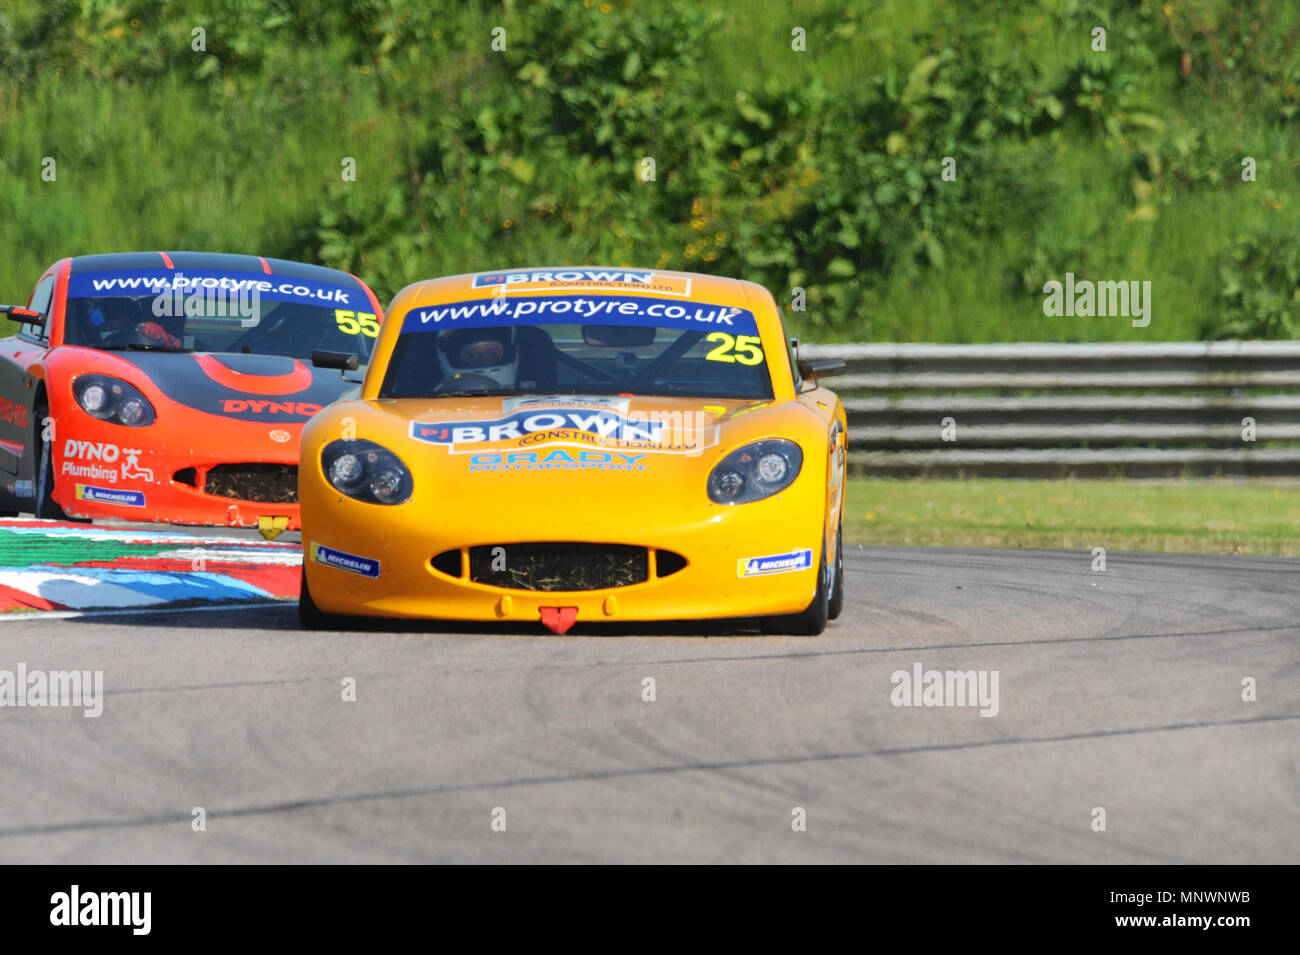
x=811, y=369
x=16, y=313
x=343, y=361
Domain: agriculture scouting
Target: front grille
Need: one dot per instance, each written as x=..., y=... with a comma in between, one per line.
x=558, y=566
x=261, y=483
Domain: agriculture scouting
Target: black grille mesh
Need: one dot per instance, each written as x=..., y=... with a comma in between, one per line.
x=262, y=483
x=558, y=566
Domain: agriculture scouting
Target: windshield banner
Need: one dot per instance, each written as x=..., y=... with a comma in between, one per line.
x=245, y=286
x=580, y=310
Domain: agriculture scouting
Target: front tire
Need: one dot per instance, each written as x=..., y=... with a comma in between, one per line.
x=45, y=507
x=836, y=603
x=812, y=621
x=311, y=617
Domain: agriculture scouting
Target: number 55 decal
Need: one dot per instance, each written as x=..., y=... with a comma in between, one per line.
x=744, y=348
x=350, y=323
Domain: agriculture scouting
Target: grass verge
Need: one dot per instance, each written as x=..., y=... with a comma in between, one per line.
x=1211, y=516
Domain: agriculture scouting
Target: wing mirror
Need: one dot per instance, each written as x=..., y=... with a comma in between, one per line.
x=343, y=361
x=16, y=313
x=812, y=369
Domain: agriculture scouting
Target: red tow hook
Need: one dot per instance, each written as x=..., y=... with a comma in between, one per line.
x=559, y=619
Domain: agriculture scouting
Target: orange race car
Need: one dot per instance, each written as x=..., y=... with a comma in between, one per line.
x=157, y=386
x=579, y=444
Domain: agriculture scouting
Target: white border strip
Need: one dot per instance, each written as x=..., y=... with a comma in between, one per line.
x=20, y=615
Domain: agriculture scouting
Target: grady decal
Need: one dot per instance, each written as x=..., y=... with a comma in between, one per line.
x=556, y=460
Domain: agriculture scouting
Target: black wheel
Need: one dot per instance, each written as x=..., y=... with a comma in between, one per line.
x=836, y=603
x=45, y=507
x=812, y=621
x=311, y=617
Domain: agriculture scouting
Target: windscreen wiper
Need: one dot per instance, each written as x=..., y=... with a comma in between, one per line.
x=468, y=393
x=138, y=347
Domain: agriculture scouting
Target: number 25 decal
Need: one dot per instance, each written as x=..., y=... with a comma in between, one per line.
x=742, y=348
x=350, y=323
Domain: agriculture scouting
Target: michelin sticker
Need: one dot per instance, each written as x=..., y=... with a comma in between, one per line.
x=108, y=495
x=340, y=560
x=775, y=564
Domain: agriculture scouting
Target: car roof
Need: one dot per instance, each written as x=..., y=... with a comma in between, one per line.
x=586, y=279
x=222, y=261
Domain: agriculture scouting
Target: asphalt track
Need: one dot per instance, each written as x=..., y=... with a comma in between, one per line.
x=1119, y=690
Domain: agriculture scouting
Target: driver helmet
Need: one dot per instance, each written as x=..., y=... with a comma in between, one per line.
x=492, y=353
x=109, y=315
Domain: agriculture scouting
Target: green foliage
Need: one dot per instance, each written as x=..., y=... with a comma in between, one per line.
x=1260, y=291
x=821, y=169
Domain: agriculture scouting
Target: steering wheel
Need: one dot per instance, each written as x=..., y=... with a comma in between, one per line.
x=588, y=367
x=470, y=382
x=139, y=336
x=120, y=336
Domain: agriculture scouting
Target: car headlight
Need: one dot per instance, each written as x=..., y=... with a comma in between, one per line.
x=366, y=471
x=114, y=400
x=755, y=471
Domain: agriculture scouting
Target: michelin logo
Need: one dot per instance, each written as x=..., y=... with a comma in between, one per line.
x=108, y=495
x=775, y=564
x=339, y=560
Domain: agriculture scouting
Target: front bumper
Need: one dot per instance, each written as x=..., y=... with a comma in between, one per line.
x=171, y=503
x=395, y=546
x=155, y=485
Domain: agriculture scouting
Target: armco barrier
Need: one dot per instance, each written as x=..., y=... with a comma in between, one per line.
x=1042, y=410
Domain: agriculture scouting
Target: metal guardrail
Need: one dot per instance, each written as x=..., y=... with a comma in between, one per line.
x=1040, y=410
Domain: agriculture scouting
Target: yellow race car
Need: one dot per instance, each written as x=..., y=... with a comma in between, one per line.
x=579, y=444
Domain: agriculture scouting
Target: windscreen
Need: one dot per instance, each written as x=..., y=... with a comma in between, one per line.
x=578, y=344
x=212, y=311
